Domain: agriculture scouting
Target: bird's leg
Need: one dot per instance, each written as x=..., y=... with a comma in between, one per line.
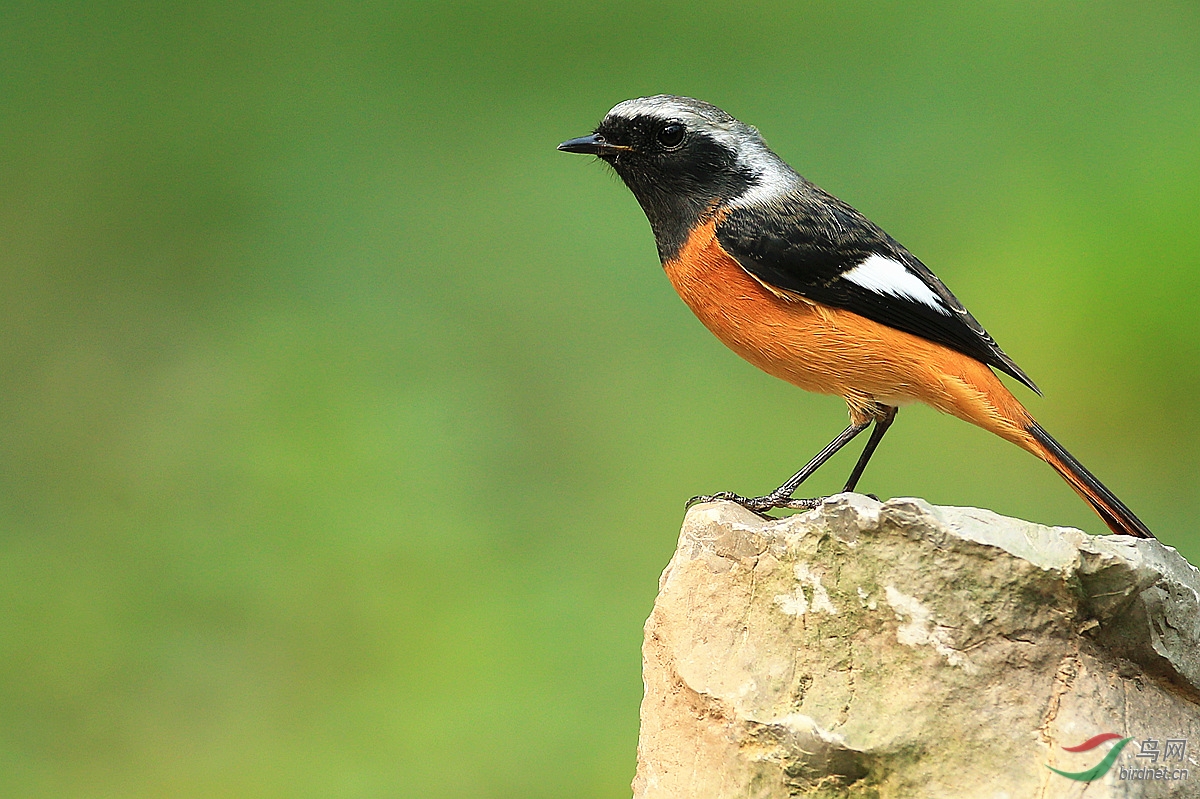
x=882, y=423
x=782, y=496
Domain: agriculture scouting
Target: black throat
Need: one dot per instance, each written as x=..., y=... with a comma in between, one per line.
x=679, y=193
x=673, y=216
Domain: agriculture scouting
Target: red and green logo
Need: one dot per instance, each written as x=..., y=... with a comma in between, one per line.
x=1101, y=768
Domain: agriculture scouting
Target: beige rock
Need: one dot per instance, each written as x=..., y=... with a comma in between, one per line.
x=903, y=651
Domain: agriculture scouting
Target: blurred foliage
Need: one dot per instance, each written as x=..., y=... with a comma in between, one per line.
x=346, y=426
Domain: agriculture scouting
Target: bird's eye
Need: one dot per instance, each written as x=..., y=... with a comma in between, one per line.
x=671, y=136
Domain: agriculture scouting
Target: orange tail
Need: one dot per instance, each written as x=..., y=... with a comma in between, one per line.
x=1118, y=517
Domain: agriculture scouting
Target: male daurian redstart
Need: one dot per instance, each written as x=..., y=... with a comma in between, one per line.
x=809, y=290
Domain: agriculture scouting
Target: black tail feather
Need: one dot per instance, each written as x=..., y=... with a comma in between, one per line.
x=1116, y=515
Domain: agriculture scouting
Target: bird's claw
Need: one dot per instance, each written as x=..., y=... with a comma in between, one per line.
x=759, y=505
x=717, y=497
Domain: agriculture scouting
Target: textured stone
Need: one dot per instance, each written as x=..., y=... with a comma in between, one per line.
x=903, y=651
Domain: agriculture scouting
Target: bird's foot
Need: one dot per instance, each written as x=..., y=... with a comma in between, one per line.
x=760, y=505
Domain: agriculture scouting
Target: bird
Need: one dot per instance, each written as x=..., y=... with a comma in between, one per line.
x=806, y=288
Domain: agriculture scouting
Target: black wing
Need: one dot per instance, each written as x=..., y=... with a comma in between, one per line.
x=808, y=242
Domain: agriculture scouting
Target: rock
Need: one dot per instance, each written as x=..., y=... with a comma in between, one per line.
x=905, y=651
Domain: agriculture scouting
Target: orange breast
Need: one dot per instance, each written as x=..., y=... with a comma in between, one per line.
x=831, y=351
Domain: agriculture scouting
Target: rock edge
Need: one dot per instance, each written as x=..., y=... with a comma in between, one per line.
x=898, y=649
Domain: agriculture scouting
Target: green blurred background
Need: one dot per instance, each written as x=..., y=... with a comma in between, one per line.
x=345, y=426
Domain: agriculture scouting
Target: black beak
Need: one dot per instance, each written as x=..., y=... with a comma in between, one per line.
x=591, y=145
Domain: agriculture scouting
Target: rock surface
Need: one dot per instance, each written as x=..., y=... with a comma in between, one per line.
x=905, y=651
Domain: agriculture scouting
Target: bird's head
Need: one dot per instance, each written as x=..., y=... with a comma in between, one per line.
x=683, y=158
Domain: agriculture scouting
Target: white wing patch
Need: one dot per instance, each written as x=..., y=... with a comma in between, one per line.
x=884, y=275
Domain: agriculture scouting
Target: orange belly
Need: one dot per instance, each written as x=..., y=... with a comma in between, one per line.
x=831, y=351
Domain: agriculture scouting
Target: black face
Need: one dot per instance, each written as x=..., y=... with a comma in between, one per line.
x=657, y=157
x=678, y=173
